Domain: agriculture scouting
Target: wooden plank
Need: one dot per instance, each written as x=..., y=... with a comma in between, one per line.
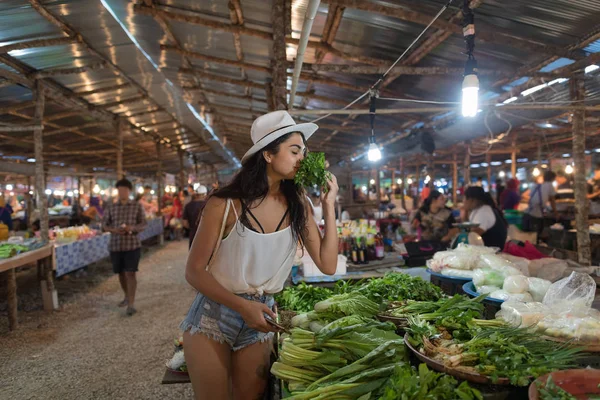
x=25, y=258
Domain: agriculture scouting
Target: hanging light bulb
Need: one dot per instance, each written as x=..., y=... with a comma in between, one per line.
x=140, y=190
x=96, y=189
x=502, y=174
x=569, y=169
x=399, y=181
x=470, y=90
x=372, y=181
x=409, y=181
x=374, y=153
x=536, y=172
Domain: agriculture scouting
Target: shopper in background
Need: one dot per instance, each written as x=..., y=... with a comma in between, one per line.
x=594, y=191
x=510, y=197
x=6, y=215
x=499, y=189
x=245, y=248
x=435, y=219
x=124, y=219
x=482, y=210
x=562, y=180
x=191, y=212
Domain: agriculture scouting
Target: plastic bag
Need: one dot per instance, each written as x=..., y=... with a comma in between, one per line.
x=551, y=269
x=498, y=263
x=500, y=295
x=585, y=328
x=516, y=284
x=522, y=315
x=487, y=289
x=538, y=288
x=524, y=297
x=520, y=263
x=459, y=273
x=488, y=276
x=574, y=294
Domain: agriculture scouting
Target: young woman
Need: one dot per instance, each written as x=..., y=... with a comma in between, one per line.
x=243, y=253
x=482, y=210
x=435, y=219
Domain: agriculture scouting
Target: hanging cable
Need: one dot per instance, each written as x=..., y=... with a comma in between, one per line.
x=374, y=154
x=380, y=80
x=470, y=87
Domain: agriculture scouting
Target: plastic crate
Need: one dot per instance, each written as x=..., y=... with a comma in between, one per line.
x=490, y=305
x=449, y=285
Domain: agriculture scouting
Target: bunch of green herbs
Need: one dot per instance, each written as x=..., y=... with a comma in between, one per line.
x=312, y=171
x=397, y=286
x=301, y=298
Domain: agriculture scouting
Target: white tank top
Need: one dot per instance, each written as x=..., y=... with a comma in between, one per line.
x=250, y=262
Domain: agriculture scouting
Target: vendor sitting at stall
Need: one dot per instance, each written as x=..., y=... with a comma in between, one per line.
x=435, y=219
x=482, y=210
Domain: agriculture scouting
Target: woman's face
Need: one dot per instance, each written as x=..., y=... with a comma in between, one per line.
x=440, y=201
x=287, y=161
x=469, y=204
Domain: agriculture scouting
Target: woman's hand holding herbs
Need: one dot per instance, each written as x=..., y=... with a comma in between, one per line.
x=328, y=196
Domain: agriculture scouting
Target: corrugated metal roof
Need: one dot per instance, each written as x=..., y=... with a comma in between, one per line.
x=360, y=33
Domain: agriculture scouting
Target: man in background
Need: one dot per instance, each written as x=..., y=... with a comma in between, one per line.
x=191, y=212
x=124, y=219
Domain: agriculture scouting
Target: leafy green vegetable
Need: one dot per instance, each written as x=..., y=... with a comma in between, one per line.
x=397, y=286
x=407, y=384
x=312, y=171
x=347, y=304
x=301, y=298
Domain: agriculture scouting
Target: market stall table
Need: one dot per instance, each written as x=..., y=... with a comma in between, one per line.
x=8, y=267
x=358, y=275
x=72, y=256
x=154, y=227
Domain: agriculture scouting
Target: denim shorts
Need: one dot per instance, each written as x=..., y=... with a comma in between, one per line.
x=223, y=324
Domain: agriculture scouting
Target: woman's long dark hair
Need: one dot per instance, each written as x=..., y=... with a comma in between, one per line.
x=484, y=198
x=434, y=195
x=251, y=184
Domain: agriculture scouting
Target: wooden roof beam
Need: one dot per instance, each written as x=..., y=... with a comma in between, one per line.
x=31, y=44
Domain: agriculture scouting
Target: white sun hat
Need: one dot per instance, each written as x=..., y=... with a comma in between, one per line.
x=269, y=127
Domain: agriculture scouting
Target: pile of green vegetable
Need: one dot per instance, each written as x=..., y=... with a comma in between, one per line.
x=488, y=347
x=8, y=250
x=551, y=391
x=312, y=171
x=392, y=287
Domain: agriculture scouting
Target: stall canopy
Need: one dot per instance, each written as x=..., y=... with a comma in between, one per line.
x=192, y=75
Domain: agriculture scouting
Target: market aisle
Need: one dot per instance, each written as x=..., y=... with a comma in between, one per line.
x=90, y=350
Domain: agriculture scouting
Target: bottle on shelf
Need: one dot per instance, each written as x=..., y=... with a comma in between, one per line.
x=379, y=248
x=362, y=252
x=354, y=252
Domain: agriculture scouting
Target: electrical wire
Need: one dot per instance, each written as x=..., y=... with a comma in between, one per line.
x=376, y=84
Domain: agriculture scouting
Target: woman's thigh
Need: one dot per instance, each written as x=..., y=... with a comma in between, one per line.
x=250, y=371
x=209, y=366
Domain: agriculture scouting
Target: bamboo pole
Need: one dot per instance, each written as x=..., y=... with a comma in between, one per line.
x=455, y=180
x=182, y=180
x=418, y=181
x=378, y=184
x=119, y=126
x=160, y=192
x=11, y=298
x=467, y=167
x=577, y=87
x=20, y=128
x=279, y=61
x=40, y=185
x=513, y=158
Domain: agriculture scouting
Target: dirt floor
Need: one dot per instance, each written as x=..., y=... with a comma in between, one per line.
x=89, y=349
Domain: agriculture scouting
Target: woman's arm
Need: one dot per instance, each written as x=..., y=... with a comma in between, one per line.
x=324, y=250
x=197, y=276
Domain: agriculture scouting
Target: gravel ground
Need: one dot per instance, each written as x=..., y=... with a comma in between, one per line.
x=89, y=349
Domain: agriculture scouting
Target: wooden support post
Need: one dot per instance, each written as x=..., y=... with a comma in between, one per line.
x=402, y=185
x=467, y=168
x=350, y=185
x=119, y=126
x=29, y=203
x=577, y=86
x=378, y=184
x=182, y=180
x=11, y=298
x=279, y=62
x=160, y=192
x=513, y=158
x=455, y=180
x=418, y=182
x=488, y=160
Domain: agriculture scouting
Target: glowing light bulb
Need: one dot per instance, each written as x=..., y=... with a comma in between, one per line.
x=569, y=169
x=374, y=153
x=502, y=174
x=536, y=172
x=470, y=95
x=96, y=189
x=140, y=190
x=399, y=181
x=372, y=181
x=9, y=187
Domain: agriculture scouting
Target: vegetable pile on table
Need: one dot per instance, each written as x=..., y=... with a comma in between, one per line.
x=8, y=250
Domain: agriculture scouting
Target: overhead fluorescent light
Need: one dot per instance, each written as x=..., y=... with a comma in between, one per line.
x=508, y=101
x=559, y=80
x=534, y=89
x=591, y=68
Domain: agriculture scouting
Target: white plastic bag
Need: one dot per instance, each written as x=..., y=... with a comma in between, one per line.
x=499, y=264
x=574, y=294
x=459, y=273
x=520, y=263
x=487, y=289
x=516, y=284
x=488, y=276
x=523, y=315
x=538, y=288
x=524, y=297
x=499, y=295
